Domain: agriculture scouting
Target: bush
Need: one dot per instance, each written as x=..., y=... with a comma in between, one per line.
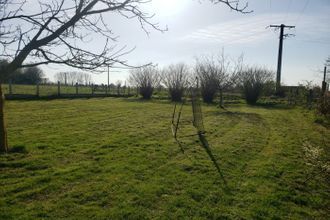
x=323, y=106
x=253, y=81
x=207, y=72
x=175, y=78
x=216, y=73
x=146, y=79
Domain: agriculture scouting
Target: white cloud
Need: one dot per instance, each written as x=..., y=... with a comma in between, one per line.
x=253, y=29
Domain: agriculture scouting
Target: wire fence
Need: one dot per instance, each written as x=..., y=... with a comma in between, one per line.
x=15, y=91
x=293, y=95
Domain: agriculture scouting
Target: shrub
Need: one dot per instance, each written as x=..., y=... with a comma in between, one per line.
x=207, y=73
x=175, y=78
x=146, y=79
x=323, y=106
x=252, y=81
x=216, y=74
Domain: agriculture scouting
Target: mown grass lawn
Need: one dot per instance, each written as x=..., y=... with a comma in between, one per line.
x=116, y=158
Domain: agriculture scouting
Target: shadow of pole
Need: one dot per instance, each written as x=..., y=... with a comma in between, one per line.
x=207, y=148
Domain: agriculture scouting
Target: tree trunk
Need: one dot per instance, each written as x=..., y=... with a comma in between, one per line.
x=3, y=132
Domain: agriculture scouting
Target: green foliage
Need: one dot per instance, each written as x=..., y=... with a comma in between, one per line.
x=108, y=159
x=323, y=110
x=323, y=106
x=31, y=75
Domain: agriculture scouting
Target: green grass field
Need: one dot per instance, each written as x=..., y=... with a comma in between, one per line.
x=116, y=159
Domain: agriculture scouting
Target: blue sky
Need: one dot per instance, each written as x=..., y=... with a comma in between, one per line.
x=198, y=28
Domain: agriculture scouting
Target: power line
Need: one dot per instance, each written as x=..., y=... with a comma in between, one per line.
x=287, y=11
x=270, y=10
x=313, y=41
x=303, y=10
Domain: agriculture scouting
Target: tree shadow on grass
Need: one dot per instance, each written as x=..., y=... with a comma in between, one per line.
x=17, y=150
x=251, y=117
x=208, y=150
x=141, y=100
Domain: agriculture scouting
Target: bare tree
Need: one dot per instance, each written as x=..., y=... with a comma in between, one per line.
x=252, y=81
x=73, y=77
x=87, y=78
x=216, y=73
x=212, y=72
x=61, y=77
x=207, y=73
x=146, y=79
x=56, y=31
x=175, y=78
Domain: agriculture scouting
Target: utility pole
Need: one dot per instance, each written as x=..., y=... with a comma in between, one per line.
x=280, y=51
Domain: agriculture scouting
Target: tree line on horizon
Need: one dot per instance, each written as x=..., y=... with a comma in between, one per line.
x=35, y=75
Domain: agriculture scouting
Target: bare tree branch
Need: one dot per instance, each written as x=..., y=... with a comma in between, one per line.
x=40, y=33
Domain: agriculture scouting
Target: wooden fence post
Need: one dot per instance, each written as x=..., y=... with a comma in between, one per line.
x=10, y=88
x=58, y=88
x=310, y=99
x=76, y=88
x=37, y=90
x=324, y=83
x=221, y=98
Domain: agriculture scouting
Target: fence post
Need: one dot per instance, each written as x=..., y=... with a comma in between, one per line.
x=106, y=89
x=221, y=98
x=37, y=90
x=92, y=88
x=310, y=99
x=324, y=83
x=76, y=88
x=58, y=88
x=129, y=89
x=10, y=88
